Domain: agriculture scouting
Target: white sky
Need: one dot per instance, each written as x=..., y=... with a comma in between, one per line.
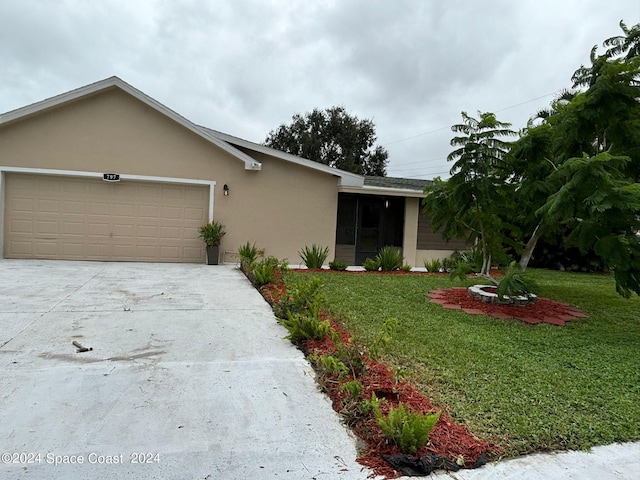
x=245, y=67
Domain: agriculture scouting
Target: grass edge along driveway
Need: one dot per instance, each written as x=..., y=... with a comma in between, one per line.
x=527, y=388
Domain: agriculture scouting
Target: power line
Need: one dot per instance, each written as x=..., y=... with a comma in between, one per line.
x=448, y=127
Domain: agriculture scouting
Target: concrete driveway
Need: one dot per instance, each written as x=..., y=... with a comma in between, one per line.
x=189, y=378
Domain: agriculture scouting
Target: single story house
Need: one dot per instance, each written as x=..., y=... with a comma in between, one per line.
x=107, y=173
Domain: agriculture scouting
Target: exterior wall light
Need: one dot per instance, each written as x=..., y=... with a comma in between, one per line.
x=225, y=190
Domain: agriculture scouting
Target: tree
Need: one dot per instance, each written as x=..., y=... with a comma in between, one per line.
x=601, y=205
x=585, y=156
x=627, y=45
x=333, y=137
x=468, y=204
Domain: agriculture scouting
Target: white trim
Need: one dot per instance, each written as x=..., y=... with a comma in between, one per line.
x=77, y=173
x=392, y=192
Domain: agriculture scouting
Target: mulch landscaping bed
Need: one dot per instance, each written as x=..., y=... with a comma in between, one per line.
x=449, y=442
x=542, y=311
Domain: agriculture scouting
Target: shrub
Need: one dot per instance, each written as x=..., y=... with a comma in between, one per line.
x=516, y=282
x=314, y=256
x=302, y=298
x=338, y=265
x=264, y=271
x=389, y=259
x=433, y=265
x=248, y=254
x=406, y=268
x=371, y=265
x=332, y=365
x=408, y=430
x=305, y=326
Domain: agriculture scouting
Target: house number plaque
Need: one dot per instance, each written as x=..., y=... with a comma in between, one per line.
x=111, y=177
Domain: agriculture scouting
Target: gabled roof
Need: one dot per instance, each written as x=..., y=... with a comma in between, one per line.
x=115, y=82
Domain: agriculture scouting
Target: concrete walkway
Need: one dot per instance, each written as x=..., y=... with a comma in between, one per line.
x=189, y=378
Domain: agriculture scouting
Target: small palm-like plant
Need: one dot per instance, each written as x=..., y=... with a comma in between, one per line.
x=314, y=256
x=516, y=283
x=248, y=254
x=211, y=233
x=433, y=265
x=390, y=259
x=265, y=271
x=408, y=430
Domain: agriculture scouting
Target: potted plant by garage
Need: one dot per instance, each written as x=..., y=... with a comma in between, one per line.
x=212, y=233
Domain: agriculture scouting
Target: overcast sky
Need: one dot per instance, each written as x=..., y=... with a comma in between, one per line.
x=245, y=67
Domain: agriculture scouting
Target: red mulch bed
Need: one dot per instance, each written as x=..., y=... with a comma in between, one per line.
x=448, y=439
x=542, y=311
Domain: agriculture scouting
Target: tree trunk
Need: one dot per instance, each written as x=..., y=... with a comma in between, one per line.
x=527, y=252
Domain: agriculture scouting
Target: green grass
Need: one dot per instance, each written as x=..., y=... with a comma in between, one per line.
x=525, y=387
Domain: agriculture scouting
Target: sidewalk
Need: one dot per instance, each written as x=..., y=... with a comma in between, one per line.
x=609, y=462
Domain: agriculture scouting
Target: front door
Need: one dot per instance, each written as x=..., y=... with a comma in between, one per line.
x=369, y=237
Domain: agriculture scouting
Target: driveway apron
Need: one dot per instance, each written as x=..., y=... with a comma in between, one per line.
x=188, y=377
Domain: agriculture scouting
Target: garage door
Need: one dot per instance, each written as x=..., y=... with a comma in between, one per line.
x=76, y=218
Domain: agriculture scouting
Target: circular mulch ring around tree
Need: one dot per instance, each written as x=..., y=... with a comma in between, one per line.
x=542, y=311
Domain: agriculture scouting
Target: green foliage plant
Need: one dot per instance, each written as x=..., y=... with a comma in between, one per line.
x=382, y=338
x=211, y=233
x=333, y=365
x=389, y=258
x=306, y=326
x=516, y=282
x=406, y=268
x=433, y=265
x=302, y=298
x=371, y=265
x=353, y=388
x=338, y=265
x=314, y=256
x=264, y=271
x=408, y=430
x=350, y=354
x=460, y=271
x=248, y=254
x=352, y=411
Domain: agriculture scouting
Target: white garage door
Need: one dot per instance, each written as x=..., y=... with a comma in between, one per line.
x=76, y=218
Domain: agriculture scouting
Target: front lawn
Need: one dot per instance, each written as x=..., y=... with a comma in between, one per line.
x=526, y=387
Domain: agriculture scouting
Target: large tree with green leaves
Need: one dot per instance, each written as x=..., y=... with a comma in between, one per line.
x=578, y=170
x=333, y=137
x=468, y=205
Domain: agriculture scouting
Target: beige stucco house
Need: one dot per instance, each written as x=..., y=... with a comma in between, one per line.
x=105, y=172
